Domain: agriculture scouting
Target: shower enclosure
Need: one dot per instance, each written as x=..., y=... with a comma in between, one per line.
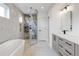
x=30, y=28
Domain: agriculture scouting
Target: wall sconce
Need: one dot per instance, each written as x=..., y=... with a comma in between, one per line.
x=20, y=22
x=65, y=9
x=69, y=8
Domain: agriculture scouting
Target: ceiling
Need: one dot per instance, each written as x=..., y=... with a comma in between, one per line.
x=41, y=7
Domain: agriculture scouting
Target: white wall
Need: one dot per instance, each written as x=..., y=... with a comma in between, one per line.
x=9, y=28
x=42, y=24
x=75, y=18
x=55, y=20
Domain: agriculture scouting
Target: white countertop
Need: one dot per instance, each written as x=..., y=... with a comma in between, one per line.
x=72, y=38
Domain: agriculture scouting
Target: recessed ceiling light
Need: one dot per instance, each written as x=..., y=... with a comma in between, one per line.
x=42, y=7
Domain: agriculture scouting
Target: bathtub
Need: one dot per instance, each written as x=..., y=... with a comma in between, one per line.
x=12, y=48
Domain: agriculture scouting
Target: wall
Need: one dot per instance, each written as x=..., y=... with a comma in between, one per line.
x=9, y=28
x=75, y=19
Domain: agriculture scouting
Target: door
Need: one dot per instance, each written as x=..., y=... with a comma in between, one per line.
x=42, y=28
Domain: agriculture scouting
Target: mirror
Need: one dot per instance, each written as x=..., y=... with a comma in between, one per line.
x=66, y=21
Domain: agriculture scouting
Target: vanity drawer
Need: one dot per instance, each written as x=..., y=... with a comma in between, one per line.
x=64, y=51
x=69, y=44
x=66, y=46
x=61, y=39
x=69, y=53
x=61, y=42
x=61, y=51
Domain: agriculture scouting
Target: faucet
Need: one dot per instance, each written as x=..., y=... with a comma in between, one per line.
x=64, y=31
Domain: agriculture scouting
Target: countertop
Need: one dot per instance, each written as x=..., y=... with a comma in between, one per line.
x=72, y=38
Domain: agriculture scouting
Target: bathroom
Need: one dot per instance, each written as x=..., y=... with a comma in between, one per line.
x=40, y=29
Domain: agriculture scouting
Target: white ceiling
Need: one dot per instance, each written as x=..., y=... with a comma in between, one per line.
x=41, y=7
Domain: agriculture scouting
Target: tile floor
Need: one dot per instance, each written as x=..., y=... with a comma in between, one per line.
x=39, y=49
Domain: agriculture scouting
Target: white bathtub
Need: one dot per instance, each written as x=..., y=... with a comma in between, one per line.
x=12, y=48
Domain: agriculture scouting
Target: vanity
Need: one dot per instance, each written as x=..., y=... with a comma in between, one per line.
x=65, y=40
x=65, y=44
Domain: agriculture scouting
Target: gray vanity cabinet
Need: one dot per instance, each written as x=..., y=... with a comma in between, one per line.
x=76, y=50
x=64, y=47
x=55, y=43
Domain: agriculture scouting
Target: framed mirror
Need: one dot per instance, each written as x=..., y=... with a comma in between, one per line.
x=66, y=20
